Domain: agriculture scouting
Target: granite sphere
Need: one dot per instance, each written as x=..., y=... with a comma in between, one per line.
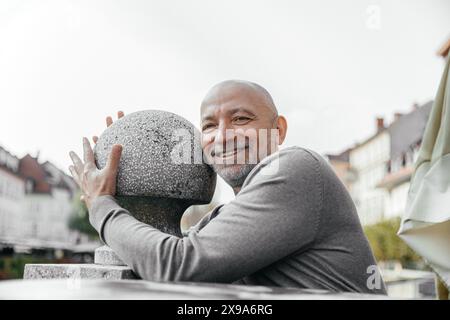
x=161, y=171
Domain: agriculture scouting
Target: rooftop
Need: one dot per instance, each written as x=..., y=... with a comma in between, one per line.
x=43, y=175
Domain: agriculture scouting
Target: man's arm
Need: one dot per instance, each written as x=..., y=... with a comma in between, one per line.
x=272, y=217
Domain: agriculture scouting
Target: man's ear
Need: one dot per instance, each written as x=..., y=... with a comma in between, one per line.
x=282, y=128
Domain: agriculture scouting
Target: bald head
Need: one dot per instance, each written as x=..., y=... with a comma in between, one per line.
x=243, y=90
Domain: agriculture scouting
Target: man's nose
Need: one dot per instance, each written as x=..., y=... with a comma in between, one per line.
x=224, y=135
x=220, y=135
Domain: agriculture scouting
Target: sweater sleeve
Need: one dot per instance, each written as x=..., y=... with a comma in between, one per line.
x=276, y=213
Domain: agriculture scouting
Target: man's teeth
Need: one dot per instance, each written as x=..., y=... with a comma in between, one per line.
x=230, y=153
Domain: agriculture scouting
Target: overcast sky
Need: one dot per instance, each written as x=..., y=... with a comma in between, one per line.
x=331, y=66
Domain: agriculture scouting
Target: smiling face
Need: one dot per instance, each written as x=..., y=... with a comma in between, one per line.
x=240, y=126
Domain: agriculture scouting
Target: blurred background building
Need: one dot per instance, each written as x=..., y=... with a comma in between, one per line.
x=36, y=206
x=377, y=170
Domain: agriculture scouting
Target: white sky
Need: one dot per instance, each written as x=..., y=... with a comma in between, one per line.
x=331, y=66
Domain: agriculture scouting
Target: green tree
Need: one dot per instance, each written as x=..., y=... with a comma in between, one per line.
x=387, y=245
x=79, y=219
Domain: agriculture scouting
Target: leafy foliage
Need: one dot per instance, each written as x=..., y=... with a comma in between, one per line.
x=387, y=245
x=12, y=267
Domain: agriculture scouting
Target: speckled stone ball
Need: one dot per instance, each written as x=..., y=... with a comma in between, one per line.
x=161, y=172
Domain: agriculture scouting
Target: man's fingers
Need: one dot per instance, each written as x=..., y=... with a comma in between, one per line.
x=78, y=164
x=88, y=153
x=109, y=121
x=114, y=158
x=75, y=175
x=95, y=139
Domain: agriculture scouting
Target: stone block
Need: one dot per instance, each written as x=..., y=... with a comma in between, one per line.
x=77, y=271
x=105, y=256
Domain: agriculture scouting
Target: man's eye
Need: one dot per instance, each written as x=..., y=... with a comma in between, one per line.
x=241, y=119
x=207, y=126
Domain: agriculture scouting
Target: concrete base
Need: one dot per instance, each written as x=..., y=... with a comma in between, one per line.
x=107, y=266
x=77, y=271
x=105, y=256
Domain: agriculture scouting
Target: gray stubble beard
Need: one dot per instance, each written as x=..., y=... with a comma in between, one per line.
x=231, y=177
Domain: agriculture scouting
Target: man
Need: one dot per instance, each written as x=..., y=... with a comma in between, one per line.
x=291, y=224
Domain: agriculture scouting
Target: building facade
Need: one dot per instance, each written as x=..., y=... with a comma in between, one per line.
x=12, y=194
x=35, y=204
x=381, y=166
x=368, y=160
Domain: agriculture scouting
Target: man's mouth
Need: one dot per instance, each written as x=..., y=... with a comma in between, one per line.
x=228, y=154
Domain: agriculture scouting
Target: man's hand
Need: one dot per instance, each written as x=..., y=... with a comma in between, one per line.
x=92, y=181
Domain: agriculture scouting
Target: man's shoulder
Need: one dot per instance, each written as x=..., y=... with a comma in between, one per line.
x=288, y=161
x=294, y=155
x=299, y=153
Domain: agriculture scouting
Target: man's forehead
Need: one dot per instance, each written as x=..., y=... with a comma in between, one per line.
x=210, y=111
x=230, y=100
